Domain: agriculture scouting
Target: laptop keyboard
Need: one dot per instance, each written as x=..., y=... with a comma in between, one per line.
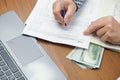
x=8, y=68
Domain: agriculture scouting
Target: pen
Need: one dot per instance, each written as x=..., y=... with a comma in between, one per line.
x=63, y=10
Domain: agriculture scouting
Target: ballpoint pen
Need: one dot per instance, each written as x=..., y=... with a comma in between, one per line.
x=63, y=10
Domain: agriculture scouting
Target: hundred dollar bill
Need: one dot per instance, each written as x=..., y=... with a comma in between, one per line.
x=75, y=57
x=90, y=58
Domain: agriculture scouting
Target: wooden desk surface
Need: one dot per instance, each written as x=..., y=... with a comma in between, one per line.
x=110, y=66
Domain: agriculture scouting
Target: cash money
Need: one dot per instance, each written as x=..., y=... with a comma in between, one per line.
x=90, y=58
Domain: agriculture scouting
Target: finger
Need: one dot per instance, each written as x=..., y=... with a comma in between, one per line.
x=105, y=37
x=103, y=30
x=69, y=14
x=99, y=23
x=57, y=12
x=59, y=19
x=111, y=37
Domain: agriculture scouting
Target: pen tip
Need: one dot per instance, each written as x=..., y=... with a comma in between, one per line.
x=65, y=24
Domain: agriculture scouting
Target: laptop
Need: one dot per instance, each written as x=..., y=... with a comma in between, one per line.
x=21, y=57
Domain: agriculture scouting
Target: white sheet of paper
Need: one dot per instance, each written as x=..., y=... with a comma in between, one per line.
x=41, y=24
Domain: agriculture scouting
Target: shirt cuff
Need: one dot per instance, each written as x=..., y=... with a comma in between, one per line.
x=79, y=3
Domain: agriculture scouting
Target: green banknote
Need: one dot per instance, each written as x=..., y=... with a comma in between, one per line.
x=90, y=58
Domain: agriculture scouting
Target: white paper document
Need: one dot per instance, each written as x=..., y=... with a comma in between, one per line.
x=42, y=24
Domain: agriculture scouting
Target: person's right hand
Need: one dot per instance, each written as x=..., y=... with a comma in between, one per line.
x=69, y=7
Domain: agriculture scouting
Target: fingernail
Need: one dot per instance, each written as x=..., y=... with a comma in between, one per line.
x=86, y=32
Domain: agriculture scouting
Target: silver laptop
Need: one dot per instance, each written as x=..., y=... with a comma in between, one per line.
x=21, y=57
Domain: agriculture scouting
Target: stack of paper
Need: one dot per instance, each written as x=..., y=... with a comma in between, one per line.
x=41, y=24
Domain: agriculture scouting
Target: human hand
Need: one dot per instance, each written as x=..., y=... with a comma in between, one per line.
x=107, y=28
x=69, y=7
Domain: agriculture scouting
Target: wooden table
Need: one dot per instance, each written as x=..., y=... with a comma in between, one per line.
x=110, y=65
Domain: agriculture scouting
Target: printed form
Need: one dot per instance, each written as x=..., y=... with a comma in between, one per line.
x=42, y=24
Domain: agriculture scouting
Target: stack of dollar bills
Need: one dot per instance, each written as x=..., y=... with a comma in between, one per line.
x=87, y=58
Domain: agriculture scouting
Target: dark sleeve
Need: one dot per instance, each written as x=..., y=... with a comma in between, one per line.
x=79, y=3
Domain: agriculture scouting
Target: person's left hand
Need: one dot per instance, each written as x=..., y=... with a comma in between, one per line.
x=107, y=28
